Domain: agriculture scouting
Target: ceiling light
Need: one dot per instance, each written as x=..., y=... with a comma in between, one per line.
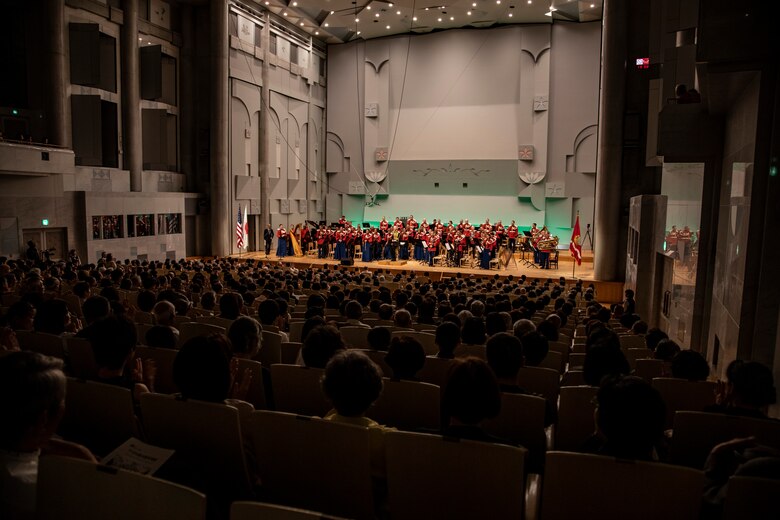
x=510, y=15
x=140, y=39
x=326, y=25
x=301, y=24
x=285, y=13
x=592, y=6
x=398, y=12
x=357, y=20
x=426, y=8
x=295, y=4
x=452, y=17
x=498, y=1
x=388, y=27
x=414, y=19
x=474, y=4
x=530, y=2
x=266, y=3
x=358, y=32
x=368, y=7
x=377, y=15
x=468, y=13
x=440, y=19
x=391, y=5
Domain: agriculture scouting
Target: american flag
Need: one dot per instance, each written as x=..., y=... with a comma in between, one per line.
x=239, y=230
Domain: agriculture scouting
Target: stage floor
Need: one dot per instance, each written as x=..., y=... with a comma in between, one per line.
x=518, y=268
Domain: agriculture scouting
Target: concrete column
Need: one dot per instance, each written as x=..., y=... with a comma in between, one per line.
x=57, y=113
x=265, y=117
x=606, y=256
x=187, y=99
x=132, y=152
x=219, y=167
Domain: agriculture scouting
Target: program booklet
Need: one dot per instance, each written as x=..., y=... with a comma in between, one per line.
x=137, y=456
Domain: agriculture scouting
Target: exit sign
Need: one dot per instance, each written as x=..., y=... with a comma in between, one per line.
x=643, y=63
x=44, y=222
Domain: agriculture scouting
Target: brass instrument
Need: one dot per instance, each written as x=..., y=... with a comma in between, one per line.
x=548, y=245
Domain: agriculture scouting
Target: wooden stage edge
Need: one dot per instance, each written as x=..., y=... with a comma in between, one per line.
x=606, y=292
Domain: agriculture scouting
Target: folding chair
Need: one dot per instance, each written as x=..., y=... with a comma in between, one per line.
x=271, y=351
x=329, y=460
x=649, y=369
x=290, y=351
x=355, y=337
x=543, y=381
x=64, y=483
x=554, y=361
x=163, y=359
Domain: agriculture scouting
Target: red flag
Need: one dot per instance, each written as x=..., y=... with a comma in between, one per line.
x=574, y=246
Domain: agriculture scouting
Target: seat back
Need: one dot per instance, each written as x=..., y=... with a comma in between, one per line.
x=521, y=421
x=215, y=320
x=432, y=477
x=560, y=347
x=290, y=351
x=648, y=369
x=435, y=371
x=296, y=327
x=427, y=340
x=635, y=354
x=554, y=361
x=576, y=360
x=163, y=358
x=748, y=497
x=255, y=510
x=298, y=390
x=355, y=337
x=256, y=393
x=543, y=381
x=207, y=439
x=682, y=395
x=575, y=417
x=313, y=463
x=632, y=341
x=378, y=357
x=99, y=416
x=577, y=485
x=195, y=328
x=82, y=359
x=42, y=343
x=696, y=433
x=271, y=352
x=573, y=378
x=407, y=405
x=72, y=488
x=471, y=350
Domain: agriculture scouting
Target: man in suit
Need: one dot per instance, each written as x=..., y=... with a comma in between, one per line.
x=268, y=237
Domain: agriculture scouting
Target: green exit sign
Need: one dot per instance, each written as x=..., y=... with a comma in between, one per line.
x=45, y=221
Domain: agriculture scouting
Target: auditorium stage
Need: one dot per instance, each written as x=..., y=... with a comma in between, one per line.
x=607, y=292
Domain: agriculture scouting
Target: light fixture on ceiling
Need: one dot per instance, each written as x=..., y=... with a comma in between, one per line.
x=498, y=1
x=327, y=25
x=357, y=20
x=414, y=18
x=426, y=8
x=295, y=4
x=301, y=24
x=387, y=27
x=468, y=13
x=368, y=7
x=510, y=15
x=398, y=12
x=284, y=13
x=390, y=4
x=334, y=12
x=440, y=19
x=377, y=15
x=316, y=33
x=592, y=6
x=358, y=33
x=452, y=18
x=267, y=2
x=474, y=4
x=530, y=2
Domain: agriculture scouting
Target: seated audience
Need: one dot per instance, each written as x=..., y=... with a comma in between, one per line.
x=53, y=317
x=447, y=339
x=470, y=396
x=379, y=339
x=230, y=306
x=473, y=332
x=246, y=338
x=749, y=392
x=202, y=370
x=523, y=326
x=653, y=337
x=630, y=417
x=402, y=319
x=535, y=348
x=690, y=365
x=320, y=345
x=354, y=313
x=352, y=383
x=32, y=403
x=113, y=341
x=160, y=336
x=603, y=360
x=666, y=350
x=406, y=357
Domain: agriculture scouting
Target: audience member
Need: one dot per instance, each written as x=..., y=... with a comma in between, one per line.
x=666, y=350
x=447, y=339
x=405, y=357
x=161, y=336
x=246, y=338
x=321, y=344
x=535, y=348
x=379, y=339
x=690, y=365
x=470, y=396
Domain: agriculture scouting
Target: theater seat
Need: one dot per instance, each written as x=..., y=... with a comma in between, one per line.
x=271, y=351
x=432, y=477
x=99, y=416
x=748, y=497
x=42, y=343
x=207, y=439
x=696, y=433
x=163, y=358
x=592, y=486
x=427, y=340
x=298, y=390
x=435, y=371
x=575, y=417
x=543, y=381
x=193, y=328
x=71, y=488
x=312, y=463
x=682, y=395
x=407, y=405
x=258, y=510
x=521, y=421
x=355, y=337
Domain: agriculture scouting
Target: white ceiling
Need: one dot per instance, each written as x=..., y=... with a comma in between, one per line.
x=338, y=21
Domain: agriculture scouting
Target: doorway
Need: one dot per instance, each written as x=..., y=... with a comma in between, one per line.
x=53, y=239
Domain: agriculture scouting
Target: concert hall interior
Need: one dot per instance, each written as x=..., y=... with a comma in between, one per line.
x=492, y=146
